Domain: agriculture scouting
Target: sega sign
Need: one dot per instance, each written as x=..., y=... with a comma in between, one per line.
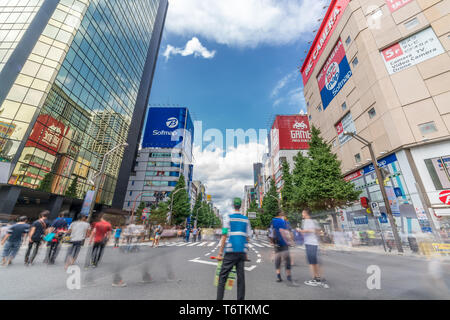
x=334, y=74
x=167, y=128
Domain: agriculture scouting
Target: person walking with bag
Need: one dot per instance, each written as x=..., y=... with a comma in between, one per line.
x=79, y=231
x=282, y=239
x=36, y=235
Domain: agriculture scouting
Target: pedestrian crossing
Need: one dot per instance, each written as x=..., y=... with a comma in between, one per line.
x=258, y=243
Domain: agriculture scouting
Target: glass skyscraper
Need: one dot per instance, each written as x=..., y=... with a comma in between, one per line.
x=75, y=77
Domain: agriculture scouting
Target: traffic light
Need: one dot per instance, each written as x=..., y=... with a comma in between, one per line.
x=364, y=202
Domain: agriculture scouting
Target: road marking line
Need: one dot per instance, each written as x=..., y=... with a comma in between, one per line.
x=267, y=245
x=259, y=256
x=201, y=244
x=215, y=263
x=211, y=244
x=191, y=244
x=251, y=246
x=258, y=245
x=181, y=244
x=258, y=261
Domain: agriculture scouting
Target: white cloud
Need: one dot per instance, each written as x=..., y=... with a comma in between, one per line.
x=193, y=47
x=289, y=91
x=245, y=23
x=225, y=177
x=283, y=82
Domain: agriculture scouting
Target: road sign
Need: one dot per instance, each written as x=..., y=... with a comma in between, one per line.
x=368, y=211
x=444, y=196
x=251, y=215
x=375, y=209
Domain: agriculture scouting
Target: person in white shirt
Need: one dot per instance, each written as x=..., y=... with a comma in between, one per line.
x=309, y=231
x=79, y=231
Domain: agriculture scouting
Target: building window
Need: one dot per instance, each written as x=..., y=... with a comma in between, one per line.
x=347, y=42
x=439, y=170
x=132, y=183
x=355, y=62
x=372, y=113
x=131, y=192
x=344, y=106
x=427, y=128
x=357, y=158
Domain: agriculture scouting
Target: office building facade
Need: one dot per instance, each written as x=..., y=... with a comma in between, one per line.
x=75, y=76
x=166, y=154
x=381, y=69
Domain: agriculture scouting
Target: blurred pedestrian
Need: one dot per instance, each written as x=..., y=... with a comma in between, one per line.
x=199, y=234
x=79, y=231
x=194, y=235
x=58, y=229
x=235, y=237
x=101, y=231
x=4, y=229
x=36, y=235
x=117, y=234
x=158, y=233
x=309, y=231
x=282, y=238
x=13, y=240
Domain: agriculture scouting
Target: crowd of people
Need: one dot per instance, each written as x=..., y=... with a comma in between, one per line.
x=14, y=234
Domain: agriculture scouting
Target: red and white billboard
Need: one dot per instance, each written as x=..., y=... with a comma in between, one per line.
x=331, y=20
x=293, y=133
x=47, y=134
x=394, y=5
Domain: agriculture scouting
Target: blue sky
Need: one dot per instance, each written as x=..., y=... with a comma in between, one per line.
x=234, y=64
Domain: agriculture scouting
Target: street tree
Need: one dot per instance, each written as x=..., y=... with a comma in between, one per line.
x=270, y=206
x=73, y=188
x=46, y=183
x=318, y=181
x=158, y=214
x=181, y=206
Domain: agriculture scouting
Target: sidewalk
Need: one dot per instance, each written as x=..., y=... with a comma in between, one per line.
x=380, y=250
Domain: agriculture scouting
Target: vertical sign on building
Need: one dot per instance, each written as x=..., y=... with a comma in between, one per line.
x=331, y=20
x=334, y=74
x=346, y=124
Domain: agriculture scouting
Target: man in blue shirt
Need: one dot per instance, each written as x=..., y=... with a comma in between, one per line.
x=235, y=236
x=281, y=236
x=13, y=240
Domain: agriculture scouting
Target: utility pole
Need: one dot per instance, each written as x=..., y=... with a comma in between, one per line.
x=397, y=239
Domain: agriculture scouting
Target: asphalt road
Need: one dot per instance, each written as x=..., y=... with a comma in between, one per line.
x=182, y=271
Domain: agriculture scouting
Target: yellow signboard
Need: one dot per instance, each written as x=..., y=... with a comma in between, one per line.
x=441, y=247
x=208, y=197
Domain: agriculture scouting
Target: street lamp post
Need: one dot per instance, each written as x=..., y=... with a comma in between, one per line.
x=98, y=177
x=171, y=205
x=383, y=190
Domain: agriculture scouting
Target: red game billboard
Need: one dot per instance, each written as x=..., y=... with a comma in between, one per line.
x=293, y=132
x=47, y=134
x=331, y=20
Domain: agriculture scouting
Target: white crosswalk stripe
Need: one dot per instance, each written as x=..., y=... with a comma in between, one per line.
x=201, y=244
x=257, y=244
x=211, y=244
x=192, y=244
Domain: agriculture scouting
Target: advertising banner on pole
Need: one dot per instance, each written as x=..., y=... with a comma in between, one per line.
x=87, y=203
x=393, y=201
x=334, y=74
x=413, y=50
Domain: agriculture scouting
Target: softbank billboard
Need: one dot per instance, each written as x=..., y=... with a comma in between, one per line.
x=168, y=128
x=331, y=20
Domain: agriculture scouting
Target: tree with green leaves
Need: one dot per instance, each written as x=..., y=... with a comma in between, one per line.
x=318, y=181
x=73, y=188
x=270, y=206
x=138, y=213
x=158, y=214
x=181, y=205
x=46, y=183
